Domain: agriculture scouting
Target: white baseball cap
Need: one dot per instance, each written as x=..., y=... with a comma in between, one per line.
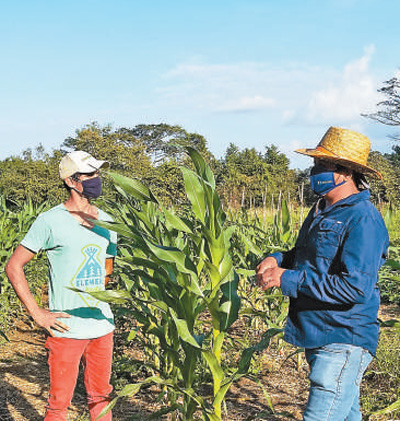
x=79, y=161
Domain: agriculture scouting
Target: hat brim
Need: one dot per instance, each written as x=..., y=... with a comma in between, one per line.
x=93, y=164
x=322, y=153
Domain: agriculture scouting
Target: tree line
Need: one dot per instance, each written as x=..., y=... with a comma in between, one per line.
x=246, y=178
x=152, y=153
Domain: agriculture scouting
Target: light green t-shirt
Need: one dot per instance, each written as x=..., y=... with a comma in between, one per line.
x=76, y=257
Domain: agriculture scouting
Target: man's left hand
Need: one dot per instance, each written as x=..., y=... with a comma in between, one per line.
x=269, y=278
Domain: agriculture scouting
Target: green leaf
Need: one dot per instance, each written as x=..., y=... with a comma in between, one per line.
x=389, y=216
x=173, y=255
x=246, y=272
x=108, y=296
x=133, y=187
x=247, y=354
x=146, y=263
x=215, y=247
x=244, y=363
x=183, y=330
x=195, y=193
x=390, y=323
x=215, y=367
x=107, y=408
x=175, y=222
x=229, y=303
x=202, y=168
x=251, y=245
x=228, y=233
x=393, y=407
x=4, y=335
x=392, y=263
x=119, y=228
x=285, y=216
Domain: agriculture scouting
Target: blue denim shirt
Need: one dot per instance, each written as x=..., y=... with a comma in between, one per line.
x=332, y=275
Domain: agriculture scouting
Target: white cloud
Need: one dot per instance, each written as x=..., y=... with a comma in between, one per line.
x=236, y=87
x=227, y=88
x=254, y=103
x=288, y=93
x=344, y=98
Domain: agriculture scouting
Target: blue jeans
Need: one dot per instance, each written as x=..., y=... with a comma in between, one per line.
x=336, y=371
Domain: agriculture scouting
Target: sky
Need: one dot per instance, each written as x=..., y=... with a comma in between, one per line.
x=248, y=72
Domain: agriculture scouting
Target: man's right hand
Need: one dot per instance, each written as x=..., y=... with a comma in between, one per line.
x=48, y=320
x=267, y=263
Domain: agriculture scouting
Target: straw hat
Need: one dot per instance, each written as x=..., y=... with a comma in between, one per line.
x=344, y=147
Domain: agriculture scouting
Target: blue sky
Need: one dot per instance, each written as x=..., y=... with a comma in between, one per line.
x=251, y=72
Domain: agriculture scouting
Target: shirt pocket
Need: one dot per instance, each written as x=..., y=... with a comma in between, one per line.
x=328, y=238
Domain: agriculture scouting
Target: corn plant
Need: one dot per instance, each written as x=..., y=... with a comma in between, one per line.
x=251, y=242
x=182, y=286
x=14, y=223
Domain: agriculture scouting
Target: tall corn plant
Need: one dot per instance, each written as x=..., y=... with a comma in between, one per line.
x=14, y=224
x=184, y=270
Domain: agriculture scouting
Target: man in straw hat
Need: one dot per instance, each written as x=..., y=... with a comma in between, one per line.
x=331, y=275
x=80, y=256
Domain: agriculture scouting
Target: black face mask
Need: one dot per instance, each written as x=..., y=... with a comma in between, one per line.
x=92, y=187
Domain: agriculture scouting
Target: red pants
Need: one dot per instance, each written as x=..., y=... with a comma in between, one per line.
x=64, y=356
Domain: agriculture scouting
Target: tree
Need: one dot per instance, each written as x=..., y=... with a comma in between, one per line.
x=151, y=153
x=282, y=178
x=33, y=175
x=249, y=178
x=125, y=152
x=394, y=157
x=164, y=145
x=387, y=189
x=389, y=110
x=243, y=173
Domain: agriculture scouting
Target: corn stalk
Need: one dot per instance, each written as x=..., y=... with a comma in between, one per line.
x=181, y=288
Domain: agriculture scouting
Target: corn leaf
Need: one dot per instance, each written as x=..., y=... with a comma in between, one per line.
x=183, y=330
x=392, y=263
x=229, y=303
x=215, y=367
x=108, y=296
x=390, y=323
x=202, y=168
x=195, y=193
x=119, y=228
x=393, y=407
x=133, y=187
x=175, y=222
x=173, y=255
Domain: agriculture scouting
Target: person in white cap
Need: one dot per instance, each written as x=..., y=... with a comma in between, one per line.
x=80, y=256
x=331, y=276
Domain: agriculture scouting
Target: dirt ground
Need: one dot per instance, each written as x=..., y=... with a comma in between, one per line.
x=281, y=382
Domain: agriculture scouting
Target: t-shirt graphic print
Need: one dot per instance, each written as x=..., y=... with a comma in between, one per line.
x=90, y=274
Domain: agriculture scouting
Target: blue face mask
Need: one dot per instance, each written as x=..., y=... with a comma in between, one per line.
x=322, y=180
x=92, y=187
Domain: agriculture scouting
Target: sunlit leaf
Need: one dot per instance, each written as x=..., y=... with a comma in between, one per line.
x=133, y=187
x=229, y=303
x=195, y=193
x=175, y=222
x=202, y=167
x=108, y=296
x=215, y=367
x=183, y=330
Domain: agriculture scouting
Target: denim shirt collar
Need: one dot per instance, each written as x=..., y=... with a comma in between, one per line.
x=320, y=206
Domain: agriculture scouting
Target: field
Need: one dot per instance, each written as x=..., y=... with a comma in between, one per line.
x=195, y=339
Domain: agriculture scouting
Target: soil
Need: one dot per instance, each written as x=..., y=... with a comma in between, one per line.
x=280, y=383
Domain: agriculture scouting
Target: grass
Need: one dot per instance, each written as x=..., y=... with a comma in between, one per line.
x=381, y=386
